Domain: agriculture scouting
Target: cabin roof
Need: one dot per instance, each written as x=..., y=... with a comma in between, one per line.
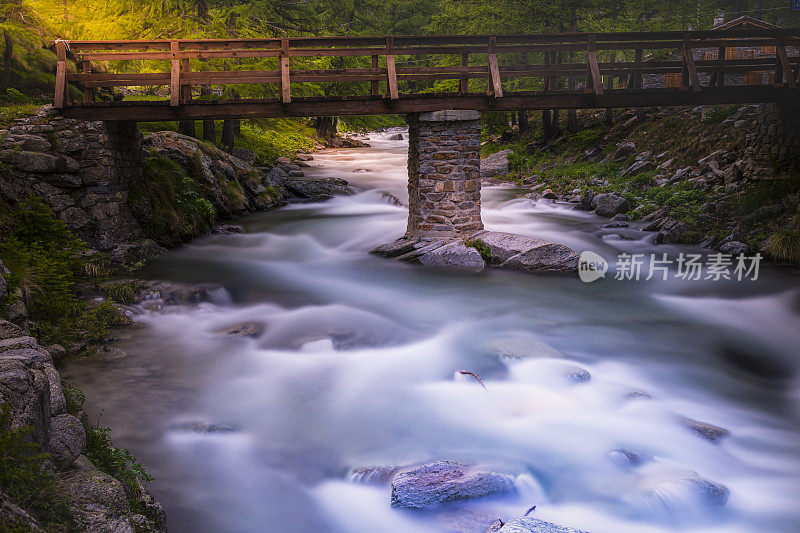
x=747, y=22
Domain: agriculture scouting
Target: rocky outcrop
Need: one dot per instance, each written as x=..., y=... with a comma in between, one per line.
x=30, y=387
x=429, y=485
x=481, y=250
x=94, y=176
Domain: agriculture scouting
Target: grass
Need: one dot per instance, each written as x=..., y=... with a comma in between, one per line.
x=481, y=247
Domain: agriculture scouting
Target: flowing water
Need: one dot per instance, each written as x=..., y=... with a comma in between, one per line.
x=357, y=363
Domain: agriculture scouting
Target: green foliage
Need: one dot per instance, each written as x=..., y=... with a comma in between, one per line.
x=361, y=124
x=46, y=260
x=481, y=247
x=74, y=398
x=718, y=113
x=24, y=477
x=274, y=138
x=117, y=462
x=179, y=210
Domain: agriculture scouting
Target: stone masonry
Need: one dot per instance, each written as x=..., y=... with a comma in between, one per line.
x=777, y=131
x=444, y=185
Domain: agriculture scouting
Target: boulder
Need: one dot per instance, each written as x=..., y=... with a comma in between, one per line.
x=454, y=256
x=445, y=481
x=509, y=250
x=527, y=524
x=734, y=248
x=58, y=404
x=23, y=141
x=610, y=204
x=549, y=194
x=672, y=232
x=495, y=165
x=396, y=137
x=624, y=150
x=640, y=165
x=585, y=203
x=522, y=346
x=710, y=432
x=39, y=163
x=99, y=501
x=317, y=189
x=246, y=329
x=67, y=440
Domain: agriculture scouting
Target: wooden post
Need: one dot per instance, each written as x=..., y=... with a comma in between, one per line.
x=175, y=75
x=186, y=90
x=720, y=74
x=391, y=73
x=60, y=97
x=86, y=68
x=286, y=93
x=592, y=66
x=784, y=66
x=495, y=87
x=689, y=71
x=463, y=83
x=637, y=73
x=373, y=85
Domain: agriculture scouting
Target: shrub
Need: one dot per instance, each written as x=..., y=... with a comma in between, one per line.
x=784, y=245
x=24, y=477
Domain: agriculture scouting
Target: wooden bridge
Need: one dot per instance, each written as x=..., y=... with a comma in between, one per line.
x=382, y=75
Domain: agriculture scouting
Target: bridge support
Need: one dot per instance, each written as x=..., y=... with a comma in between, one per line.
x=444, y=185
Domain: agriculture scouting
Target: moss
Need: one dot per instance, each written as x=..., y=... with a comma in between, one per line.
x=25, y=478
x=177, y=207
x=481, y=247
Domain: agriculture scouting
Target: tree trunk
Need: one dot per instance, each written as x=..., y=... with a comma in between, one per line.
x=523, y=120
x=326, y=127
x=209, y=129
x=555, y=126
x=5, y=82
x=546, y=133
x=228, y=134
x=186, y=127
x=513, y=119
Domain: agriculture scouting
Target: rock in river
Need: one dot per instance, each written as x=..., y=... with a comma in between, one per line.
x=495, y=164
x=526, y=524
x=317, y=189
x=445, y=481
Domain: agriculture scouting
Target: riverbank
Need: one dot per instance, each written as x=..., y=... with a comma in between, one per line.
x=80, y=210
x=721, y=177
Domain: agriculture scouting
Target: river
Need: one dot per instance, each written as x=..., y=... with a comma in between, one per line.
x=358, y=358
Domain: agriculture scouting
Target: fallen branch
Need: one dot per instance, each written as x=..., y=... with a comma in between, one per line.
x=474, y=375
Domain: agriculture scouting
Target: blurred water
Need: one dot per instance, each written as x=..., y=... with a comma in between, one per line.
x=358, y=362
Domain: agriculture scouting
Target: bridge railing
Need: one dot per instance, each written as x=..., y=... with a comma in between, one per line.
x=545, y=62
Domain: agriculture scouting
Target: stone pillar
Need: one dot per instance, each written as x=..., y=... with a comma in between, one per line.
x=444, y=184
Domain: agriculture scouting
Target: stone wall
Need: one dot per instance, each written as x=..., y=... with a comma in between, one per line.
x=72, y=165
x=444, y=184
x=777, y=131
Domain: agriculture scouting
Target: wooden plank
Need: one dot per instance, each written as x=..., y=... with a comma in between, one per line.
x=593, y=69
x=463, y=84
x=786, y=66
x=391, y=74
x=59, y=99
x=286, y=93
x=374, y=87
x=124, y=56
x=495, y=85
x=175, y=75
x=688, y=60
x=366, y=105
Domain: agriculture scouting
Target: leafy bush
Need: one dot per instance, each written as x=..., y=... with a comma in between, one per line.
x=117, y=462
x=25, y=478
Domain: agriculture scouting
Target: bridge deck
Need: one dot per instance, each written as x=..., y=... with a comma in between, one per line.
x=543, y=71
